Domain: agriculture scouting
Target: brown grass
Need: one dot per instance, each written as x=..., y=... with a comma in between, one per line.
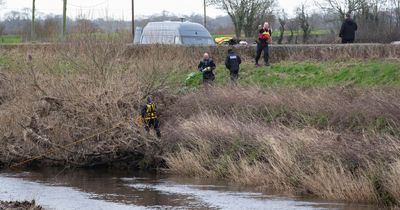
x=338, y=143
x=266, y=139
x=187, y=56
x=64, y=95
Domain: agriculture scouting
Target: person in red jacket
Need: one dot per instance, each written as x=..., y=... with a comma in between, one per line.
x=264, y=39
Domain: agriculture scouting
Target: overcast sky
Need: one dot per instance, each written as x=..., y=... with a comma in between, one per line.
x=120, y=9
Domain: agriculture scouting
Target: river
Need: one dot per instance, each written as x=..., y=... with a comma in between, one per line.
x=104, y=189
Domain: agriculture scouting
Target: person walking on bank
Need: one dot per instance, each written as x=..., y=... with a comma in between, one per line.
x=149, y=114
x=232, y=63
x=207, y=66
x=348, y=30
x=264, y=39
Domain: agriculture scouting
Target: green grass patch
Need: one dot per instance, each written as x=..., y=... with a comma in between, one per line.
x=5, y=60
x=370, y=73
x=300, y=32
x=10, y=39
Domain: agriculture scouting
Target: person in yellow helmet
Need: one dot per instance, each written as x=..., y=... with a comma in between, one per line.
x=149, y=115
x=264, y=39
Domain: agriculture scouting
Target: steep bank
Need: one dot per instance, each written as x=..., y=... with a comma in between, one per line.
x=340, y=144
x=338, y=141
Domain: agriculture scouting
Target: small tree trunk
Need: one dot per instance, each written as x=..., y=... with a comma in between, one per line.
x=33, y=21
x=64, y=19
x=281, y=30
x=238, y=29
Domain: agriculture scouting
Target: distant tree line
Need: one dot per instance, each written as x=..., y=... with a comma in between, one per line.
x=49, y=27
x=378, y=21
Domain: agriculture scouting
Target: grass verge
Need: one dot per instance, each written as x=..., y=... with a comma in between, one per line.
x=10, y=39
x=357, y=73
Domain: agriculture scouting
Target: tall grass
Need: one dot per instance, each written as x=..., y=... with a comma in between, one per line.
x=320, y=142
x=339, y=142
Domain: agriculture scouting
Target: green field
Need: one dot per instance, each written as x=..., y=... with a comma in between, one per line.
x=10, y=39
x=368, y=73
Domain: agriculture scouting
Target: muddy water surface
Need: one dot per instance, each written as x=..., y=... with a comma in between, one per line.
x=101, y=189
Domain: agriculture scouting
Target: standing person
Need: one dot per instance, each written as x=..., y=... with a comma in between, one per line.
x=232, y=63
x=207, y=66
x=348, y=30
x=149, y=114
x=264, y=39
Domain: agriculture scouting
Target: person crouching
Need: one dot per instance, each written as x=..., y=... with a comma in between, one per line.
x=207, y=66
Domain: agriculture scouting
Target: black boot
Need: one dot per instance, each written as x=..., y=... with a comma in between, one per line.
x=158, y=133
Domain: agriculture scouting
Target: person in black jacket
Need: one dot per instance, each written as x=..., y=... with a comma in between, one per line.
x=207, y=66
x=348, y=30
x=232, y=63
x=264, y=39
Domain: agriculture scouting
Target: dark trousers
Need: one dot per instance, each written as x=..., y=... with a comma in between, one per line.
x=234, y=76
x=347, y=41
x=262, y=47
x=209, y=80
x=153, y=123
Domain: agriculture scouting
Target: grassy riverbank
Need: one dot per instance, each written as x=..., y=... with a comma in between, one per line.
x=328, y=129
x=358, y=73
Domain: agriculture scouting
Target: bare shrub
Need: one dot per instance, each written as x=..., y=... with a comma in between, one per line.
x=84, y=91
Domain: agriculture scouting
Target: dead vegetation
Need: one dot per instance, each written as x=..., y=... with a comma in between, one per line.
x=337, y=143
x=83, y=92
x=187, y=56
x=25, y=205
x=331, y=143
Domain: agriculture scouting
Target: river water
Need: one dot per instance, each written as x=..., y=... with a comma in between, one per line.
x=104, y=189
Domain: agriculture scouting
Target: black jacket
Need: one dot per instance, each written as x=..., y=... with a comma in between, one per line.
x=348, y=30
x=208, y=75
x=232, y=62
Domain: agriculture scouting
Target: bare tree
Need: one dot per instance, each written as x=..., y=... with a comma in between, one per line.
x=244, y=13
x=48, y=29
x=257, y=12
x=293, y=26
x=396, y=8
x=236, y=10
x=2, y=26
x=341, y=7
x=282, y=19
x=303, y=19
